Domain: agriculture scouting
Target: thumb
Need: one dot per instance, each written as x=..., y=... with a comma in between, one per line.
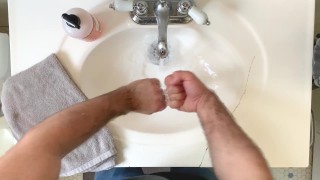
x=178, y=77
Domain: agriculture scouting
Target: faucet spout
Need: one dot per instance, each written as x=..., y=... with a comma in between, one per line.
x=162, y=13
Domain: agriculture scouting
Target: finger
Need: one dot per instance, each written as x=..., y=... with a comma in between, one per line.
x=178, y=77
x=174, y=89
x=166, y=96
x=160, y=106
x=168, y=80
x=173, y=79
x=162, y=97
x=158, y=91
x=175, y=104
x=177, y=97
x=155, y=81
x=161, y=102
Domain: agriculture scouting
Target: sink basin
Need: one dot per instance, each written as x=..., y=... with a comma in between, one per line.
x=237, y=56
x=216, y=54
x=215, y=60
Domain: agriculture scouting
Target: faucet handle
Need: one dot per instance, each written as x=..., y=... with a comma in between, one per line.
x=200, y=17
x=122, y=5
x=141, y=8
x=184, y=6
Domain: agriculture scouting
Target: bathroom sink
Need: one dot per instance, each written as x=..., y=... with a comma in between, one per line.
x=125, y=57
x=255, y=55
x=216, y=54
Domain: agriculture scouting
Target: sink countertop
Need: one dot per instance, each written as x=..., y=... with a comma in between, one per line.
x=285, y=31
x=6, y=138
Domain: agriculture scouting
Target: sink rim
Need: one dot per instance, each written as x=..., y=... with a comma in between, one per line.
x=125, y=26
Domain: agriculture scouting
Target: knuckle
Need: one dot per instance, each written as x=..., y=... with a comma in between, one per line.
x=159, y=106
x=171, y=89
x=155, y=107
x=179, y=96
x=168, y=77
x=174, y=104
x=154, y=80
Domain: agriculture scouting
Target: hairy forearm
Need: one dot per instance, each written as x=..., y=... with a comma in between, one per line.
x=67, y=129
x=234, y=155
x=38, y=155
x=45, y=145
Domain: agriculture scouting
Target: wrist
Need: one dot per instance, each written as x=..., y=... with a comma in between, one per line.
x=208, y=110
x=120, y=101
x=206, y=100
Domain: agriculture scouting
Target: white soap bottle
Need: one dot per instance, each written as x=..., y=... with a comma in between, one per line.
x=79, y=23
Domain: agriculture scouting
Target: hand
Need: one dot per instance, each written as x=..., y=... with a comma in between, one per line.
x=185, y=91
x=146, y=96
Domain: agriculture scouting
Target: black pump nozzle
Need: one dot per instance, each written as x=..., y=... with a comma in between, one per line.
x=72, y=20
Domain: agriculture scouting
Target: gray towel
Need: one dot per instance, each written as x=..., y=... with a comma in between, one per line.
x=316, y=63
x=31, y=96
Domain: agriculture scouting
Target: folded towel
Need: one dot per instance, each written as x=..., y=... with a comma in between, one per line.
x=31, y=96
x=316, y=63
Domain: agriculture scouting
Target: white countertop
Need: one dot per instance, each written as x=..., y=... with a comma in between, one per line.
x=6, y=138
x=36, y=32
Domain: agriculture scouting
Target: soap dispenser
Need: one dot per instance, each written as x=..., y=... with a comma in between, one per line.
x=79, y=23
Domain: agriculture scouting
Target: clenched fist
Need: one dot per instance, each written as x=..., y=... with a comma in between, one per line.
x=146, y=96
x=185, y=91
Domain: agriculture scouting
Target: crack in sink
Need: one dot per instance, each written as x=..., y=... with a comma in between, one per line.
x=246, y=85
x=205, y=152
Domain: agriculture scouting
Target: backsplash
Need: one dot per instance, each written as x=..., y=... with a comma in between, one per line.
x=317, y=18
x=3, y=13
x=4, y=25
x=4, y=16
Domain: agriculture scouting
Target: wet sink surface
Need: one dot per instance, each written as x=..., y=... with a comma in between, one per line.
x=125, y=57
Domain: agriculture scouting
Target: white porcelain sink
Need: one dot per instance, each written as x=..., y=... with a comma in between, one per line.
x=255, y=55
x=229, y=62
x=123, y=58
x=216, y=54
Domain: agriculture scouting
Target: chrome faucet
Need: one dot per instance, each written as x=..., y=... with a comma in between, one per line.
x=162, y=14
